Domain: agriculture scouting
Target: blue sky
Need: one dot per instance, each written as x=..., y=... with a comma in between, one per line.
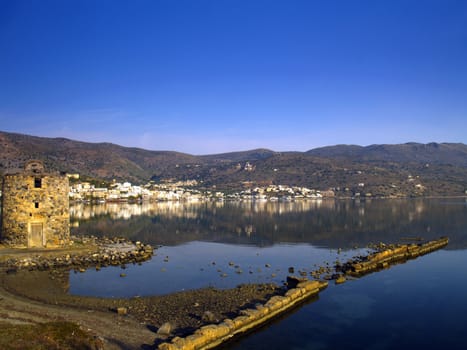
x=214, y=76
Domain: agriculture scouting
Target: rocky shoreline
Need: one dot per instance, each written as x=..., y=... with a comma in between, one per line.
x=214, y=334
x=183, y=312
x=299, y=289
x=39, y=281
x=100, y=252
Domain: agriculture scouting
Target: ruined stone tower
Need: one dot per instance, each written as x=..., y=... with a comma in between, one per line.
x=35, y=208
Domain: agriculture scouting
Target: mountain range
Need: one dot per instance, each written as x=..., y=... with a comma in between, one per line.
x=399, y=170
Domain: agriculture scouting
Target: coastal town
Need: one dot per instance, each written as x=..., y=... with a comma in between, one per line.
x=184, y=191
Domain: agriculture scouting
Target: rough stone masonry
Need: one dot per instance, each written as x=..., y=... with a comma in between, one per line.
x=35, y=208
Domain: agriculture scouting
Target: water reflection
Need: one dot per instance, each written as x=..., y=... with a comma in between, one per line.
x=201, y=240
x=202, y=264
x=170, y=209
x=125, y=211
x=417, y=305
x=327, y=223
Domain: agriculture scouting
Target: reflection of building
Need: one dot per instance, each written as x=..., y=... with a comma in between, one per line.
x=191, y=209
x=35, y=208
x=187, y=210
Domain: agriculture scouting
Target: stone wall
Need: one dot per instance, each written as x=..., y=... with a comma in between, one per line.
x=394, y=255
x=213, y=335
x=35, y=209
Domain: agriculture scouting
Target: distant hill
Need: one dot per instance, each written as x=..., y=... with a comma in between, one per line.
x=411, y=169
x=256, y=154
x=101, y=160
x=432, y=153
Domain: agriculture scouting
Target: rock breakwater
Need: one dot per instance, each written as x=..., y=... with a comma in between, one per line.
x=387, y=256
x=212, y=335
x=84, y=253
x=299, y=290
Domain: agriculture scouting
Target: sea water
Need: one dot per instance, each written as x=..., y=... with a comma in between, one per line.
x=419, y=304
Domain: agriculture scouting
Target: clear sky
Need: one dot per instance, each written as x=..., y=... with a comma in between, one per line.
x=202, y=77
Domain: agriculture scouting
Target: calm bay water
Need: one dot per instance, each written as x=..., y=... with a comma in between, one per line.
x=421, y=303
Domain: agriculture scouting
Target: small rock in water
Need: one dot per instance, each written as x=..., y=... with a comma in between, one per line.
x=291, y=269
x=340, y=279
x=123, y=274
x=293, y=281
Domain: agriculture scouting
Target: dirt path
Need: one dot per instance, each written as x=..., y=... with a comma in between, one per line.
x=29, y=299
x=117, y=332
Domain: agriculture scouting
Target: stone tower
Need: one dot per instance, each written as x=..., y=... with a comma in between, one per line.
x=35, y=208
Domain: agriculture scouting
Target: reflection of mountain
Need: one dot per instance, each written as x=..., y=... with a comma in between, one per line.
x=334, y=224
